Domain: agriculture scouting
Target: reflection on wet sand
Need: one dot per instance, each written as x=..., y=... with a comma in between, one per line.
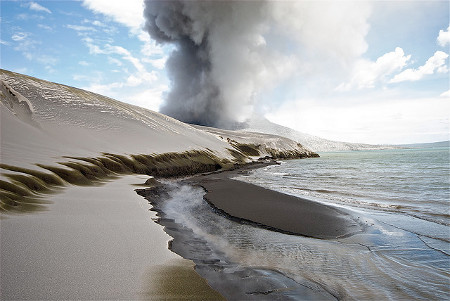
x=177, y=280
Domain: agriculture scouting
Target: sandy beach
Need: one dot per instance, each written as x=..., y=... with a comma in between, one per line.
x=95, y=242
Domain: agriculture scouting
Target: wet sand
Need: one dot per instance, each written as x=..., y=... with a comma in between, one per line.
x=229, y=278
x=274, y=210
x=177, y=280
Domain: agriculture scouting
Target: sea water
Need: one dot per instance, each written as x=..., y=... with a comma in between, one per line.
x=403, y=255
x=408, y=188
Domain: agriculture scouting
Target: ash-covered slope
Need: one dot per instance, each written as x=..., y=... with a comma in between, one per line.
x=49, y=120
x=314, y=143
x=258, y=144
x=53, y=135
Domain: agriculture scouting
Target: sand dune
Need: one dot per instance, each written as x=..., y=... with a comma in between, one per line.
x=54, y=134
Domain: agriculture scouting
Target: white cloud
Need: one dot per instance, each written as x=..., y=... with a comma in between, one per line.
x=139, y=78
x=445, y=94
x=104, y=89
x=27, y=46
x=4, y=43
x=159, y=63
x=37, y=7
x=151, y=48
x=101, y=26
x=155, y=54
x=144, y=75
x=366, y=73
x=435, y=64
x=134, y=83
x=114, y=61
x=131, y=92
x=24, y=44
x=444, y=37
x=92, y=77
x=26, y=16
x=45, y=59
x=98, y=23
x=376, y=120
x=50, y=69
x=19, y=36
x=93, y=49
x=83, y=63
x=126, y=55
x=128, y=13
x=134, y=79
x=336, y=30
x=81, y=28
x=149, y=98
x=46, y=27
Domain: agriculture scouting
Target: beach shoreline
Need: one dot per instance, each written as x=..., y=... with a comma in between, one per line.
x=233, y=280
x=230, y=279
x=272, y=210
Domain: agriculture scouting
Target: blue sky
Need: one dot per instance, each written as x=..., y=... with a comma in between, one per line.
x=386, y=80
x=68, y=43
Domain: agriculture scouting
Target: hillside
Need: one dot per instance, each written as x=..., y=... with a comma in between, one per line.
x=427, y=145
x=314, y=143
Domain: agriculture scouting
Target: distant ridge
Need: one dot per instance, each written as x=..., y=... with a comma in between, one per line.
x=427, y=145
x=314, y=143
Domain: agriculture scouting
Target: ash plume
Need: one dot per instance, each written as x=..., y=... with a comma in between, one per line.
x=210, y=72
x=229, y=54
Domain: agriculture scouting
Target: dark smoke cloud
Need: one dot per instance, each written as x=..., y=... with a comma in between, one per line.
x=231, y=54
x=204, y=33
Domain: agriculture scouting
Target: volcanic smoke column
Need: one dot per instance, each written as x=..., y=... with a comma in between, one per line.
x=231, y=55
x=214, y=68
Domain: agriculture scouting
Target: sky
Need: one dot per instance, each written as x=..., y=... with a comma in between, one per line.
x=366, y=71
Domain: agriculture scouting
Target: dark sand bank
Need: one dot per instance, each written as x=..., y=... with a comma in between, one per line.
x=274, y=210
